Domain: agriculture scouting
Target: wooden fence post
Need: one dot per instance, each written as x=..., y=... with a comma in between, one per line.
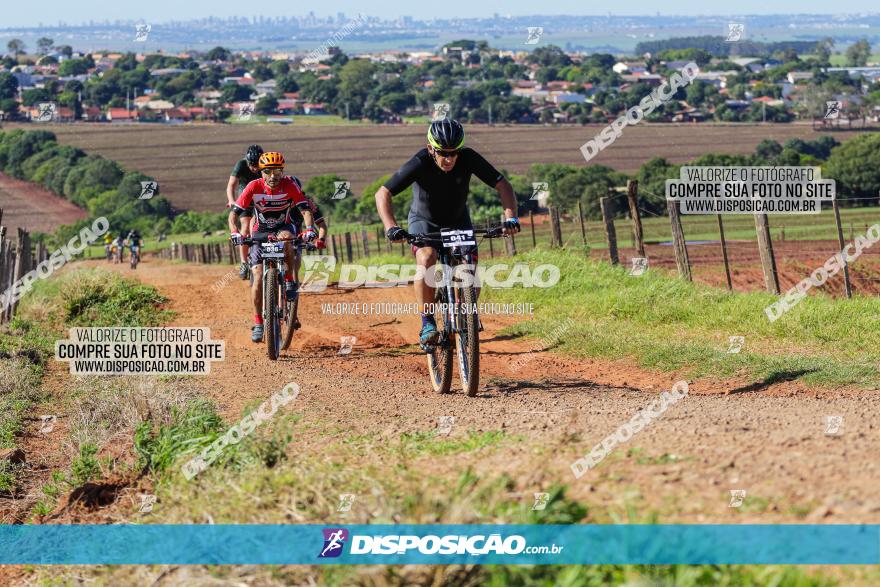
x=679, y=243
x=610, y=233
x=4, y=250
x=555, y=228
x=846, y=282
x=491, y=249
x=22, y=262
x=765, y=248
x=632, y=191
x=532, y=224
x=724, y=253
x=509, y=243
x=348, y=252
x=8, y=278
x=581, y=219
x=366, y=240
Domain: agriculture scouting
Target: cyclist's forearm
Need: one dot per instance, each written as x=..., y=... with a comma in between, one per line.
x=384, y=207
x=233, y=222
x=308, y=219
x=231, y=187
x=508, y=198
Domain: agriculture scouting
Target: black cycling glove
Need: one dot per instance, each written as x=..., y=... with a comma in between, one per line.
x=395, y=233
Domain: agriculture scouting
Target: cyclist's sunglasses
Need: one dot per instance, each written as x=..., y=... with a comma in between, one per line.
x=447, y=153
x=273, y=170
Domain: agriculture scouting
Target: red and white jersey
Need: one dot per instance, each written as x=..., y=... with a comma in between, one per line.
x=273, y=208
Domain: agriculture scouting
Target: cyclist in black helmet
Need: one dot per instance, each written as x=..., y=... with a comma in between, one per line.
x=440, y=175
x=244, y=172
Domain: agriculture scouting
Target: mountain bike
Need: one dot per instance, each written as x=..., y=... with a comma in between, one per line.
x=134, y=257
x=455, y=307
x=278, y=311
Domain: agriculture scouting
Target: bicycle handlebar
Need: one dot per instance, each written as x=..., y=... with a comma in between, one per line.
x=265, y=237
x=493, y=232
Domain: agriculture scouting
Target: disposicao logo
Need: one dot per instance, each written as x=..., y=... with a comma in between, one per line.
x=334, y=541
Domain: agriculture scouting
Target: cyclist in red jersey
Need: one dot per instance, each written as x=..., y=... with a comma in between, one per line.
x=275, y=198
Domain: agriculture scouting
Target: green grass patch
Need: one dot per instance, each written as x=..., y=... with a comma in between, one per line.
x=678, y=575
x=73, y=298
x=85, y=467
x=191, y=429
x=663, y=459
x=195, y=427
x=417, y=443
x=666, y=323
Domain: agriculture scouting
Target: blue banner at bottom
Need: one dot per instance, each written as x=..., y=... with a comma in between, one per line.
x=440, y=544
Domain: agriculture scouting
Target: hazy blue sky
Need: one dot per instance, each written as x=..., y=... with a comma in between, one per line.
x=76, y=11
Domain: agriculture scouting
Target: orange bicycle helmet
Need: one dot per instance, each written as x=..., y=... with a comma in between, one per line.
x=271, y=160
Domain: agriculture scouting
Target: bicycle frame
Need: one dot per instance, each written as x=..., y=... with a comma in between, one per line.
x=448, y=262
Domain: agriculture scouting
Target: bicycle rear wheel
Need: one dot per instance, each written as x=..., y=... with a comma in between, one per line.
x=440, y=357
x=468, y=347
x=270, y=312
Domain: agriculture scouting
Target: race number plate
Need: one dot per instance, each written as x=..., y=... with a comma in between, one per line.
x=457, y=238
x=272, y=250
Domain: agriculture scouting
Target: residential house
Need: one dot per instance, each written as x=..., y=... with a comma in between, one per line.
x=567, y=98
x=122, y=115
x=870, y=74
x=689, y=115
x=167, y=71
x=287, y=106
x=92, y=114
x=677, y=65
x=266, y=87
x=794, y=77
x=558, y=86
x=651, y=79
x=316, y=108
x=630, y=66
x=159, y=105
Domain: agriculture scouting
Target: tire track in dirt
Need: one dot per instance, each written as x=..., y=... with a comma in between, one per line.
x=767, y=439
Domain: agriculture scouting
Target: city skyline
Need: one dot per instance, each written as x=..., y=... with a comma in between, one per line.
x=163, y=11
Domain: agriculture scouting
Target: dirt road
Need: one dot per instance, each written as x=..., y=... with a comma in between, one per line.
x=769, y=440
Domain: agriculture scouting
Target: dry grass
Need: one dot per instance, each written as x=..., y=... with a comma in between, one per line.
x=109, y=410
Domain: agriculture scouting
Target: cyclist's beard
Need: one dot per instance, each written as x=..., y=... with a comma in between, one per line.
x=273, y=181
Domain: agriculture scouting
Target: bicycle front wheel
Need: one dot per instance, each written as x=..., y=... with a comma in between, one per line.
x=440, y=357
x=270, y=312
x=468, y=334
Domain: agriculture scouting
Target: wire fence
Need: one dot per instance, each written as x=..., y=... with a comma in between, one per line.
x=740, y=252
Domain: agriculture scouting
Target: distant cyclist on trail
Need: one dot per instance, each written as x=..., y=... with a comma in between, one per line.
x=440, y=175
x=274, y=198
x=134, y=242
x=108, y=245
x=245, y=171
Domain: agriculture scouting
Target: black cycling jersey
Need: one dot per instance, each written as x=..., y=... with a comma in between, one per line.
x=439, y=197
x=244, y=174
